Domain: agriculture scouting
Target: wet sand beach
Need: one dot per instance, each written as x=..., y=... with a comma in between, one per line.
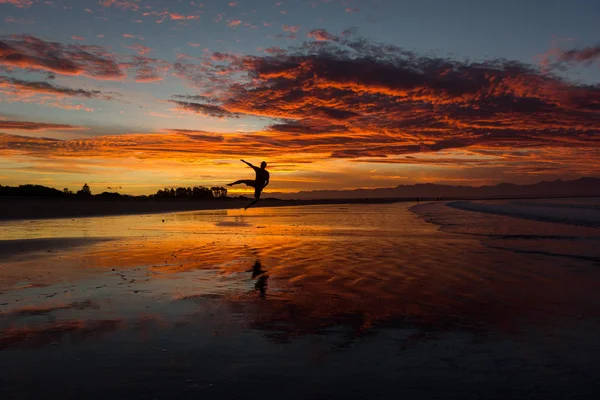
x=322, y=301
x=25, y=208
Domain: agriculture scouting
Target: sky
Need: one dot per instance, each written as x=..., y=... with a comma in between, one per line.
x=135, y=95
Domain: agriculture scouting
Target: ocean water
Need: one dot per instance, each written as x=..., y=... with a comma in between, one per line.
x=357, y=301
x=558, y=227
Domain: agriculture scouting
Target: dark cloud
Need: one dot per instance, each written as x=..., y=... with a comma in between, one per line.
x=197, y=135
x=29, y=52
x=206, y=109
x=585, y=55
x=196, y=98
x=309, y=126
x=37, y=126
x=32, y=87
x=348, y=97
x=426, y=104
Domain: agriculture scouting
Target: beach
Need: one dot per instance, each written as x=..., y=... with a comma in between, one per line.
x=26, y=208
x=437, y=300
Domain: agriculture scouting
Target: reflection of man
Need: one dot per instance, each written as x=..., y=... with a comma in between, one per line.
x=259, y=183
x=261, y=282
x=257, y=269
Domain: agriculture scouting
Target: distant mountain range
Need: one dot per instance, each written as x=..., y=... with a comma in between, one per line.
x=557, y=188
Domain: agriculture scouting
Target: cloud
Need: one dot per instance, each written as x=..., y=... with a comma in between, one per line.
x=234, y=23
x=197, y=135
x=560, y=59
x=321, y=35
x=37, y=126
x=131, y=5
x=22, y=88
x=141, y=50
x=293, y=29
x=585, y=55
x=402, y=102
x=350, y=98
x=130, y=36
x=147, y=69
x=176, y=16
x=29, y=52
x=275, y=50
x=18, y=3
x=195, y=98
x=206, y=109
x=13, y=20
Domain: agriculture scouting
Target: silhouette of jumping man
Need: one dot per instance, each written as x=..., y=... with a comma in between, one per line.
x=259, y=183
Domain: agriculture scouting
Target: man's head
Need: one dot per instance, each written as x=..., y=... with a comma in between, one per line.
x=263, y=165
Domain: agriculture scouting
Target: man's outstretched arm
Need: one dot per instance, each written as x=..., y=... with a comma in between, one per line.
x=247, y=163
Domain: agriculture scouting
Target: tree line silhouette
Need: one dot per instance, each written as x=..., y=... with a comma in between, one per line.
x=196, y=192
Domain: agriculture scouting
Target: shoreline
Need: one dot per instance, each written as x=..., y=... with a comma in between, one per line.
x=34, y=208
x=21, y=209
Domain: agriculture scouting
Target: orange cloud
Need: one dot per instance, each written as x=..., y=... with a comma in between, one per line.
x=427, y=104
x=321, y=35
x=177, y=16
x=141, y=50
x=234, y=23
x=293, y=29
x=132, y=5
x=352, y=99
x=18, y=3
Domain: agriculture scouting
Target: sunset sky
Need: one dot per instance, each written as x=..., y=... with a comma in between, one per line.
x=137, y=95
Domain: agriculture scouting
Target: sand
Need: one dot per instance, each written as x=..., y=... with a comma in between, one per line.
x=38, y=208
x=353, y=301
x=49, y=208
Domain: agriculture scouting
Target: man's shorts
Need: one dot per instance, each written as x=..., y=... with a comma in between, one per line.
x=257, y=189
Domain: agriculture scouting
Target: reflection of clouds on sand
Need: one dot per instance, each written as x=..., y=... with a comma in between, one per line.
x=45, y=310
x=22, y=247
x=185, y=309
x=41, y=335
x=358, y=268
x=238, y=221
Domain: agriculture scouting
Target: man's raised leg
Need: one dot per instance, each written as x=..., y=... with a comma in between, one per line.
x=247, y=182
